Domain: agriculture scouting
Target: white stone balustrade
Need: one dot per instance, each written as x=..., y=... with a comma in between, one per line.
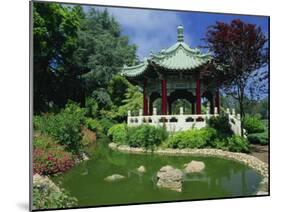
x=183, y=121
x=216, y=111
x=181, y=110
x=234, y=121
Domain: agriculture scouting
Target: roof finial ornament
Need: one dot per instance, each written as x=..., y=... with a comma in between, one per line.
x=180, y=33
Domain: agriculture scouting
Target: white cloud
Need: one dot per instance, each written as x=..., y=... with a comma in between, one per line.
x=150, y=30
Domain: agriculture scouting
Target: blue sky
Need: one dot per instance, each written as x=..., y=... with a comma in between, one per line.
x=153, y=30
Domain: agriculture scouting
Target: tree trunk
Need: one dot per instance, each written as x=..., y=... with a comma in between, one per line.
x=242, y=115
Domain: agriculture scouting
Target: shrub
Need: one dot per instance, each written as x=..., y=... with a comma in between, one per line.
x=52, y=160
x=237, y=144
x=93, y=125
x=43, y=142
x=258, y=138
x=92, y=108
x=210, y=134
x=118, y=133
x=221, y=124
x=233, y=143
x=146, y=136
x=220, y=144
x=193, y=138
x=37, y=122
x=253, y=125
x=47, y=195
x=106, y=124
x=89, y=137
x=65, y=127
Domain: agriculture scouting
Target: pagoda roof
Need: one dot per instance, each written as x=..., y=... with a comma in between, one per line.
x=178, y=57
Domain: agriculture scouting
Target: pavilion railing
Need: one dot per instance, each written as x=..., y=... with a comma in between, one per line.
x=180, y=122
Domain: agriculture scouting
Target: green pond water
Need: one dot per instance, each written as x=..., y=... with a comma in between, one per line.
x=221, y=178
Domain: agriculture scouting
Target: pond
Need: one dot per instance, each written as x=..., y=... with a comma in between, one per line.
x=221, y=178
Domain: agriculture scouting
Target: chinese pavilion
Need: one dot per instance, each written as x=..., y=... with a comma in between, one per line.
x=178, y=72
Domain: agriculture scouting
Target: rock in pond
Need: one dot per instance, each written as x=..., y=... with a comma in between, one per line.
x=194, y=166
x=141, y=169
x=114, y=178
x=170, y=178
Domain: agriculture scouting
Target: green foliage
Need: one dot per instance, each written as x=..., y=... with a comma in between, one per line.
x=103, y=50
x=56, y=78
x=93, y=125
x=233, y=143
x=221, y=124
x=45, y=197
x=65, y=127
x=117, y=89
x=133, y=101
x=253, y=125
x=92, y=107
x=43, y=142
x=193, y=138
x=106, y=124
x=76, y=52
x=219, y=143
x=258, y=138
x=118, y=133
x=146, y=136
x=206, y=137
x=102, y=98
x=237, y=144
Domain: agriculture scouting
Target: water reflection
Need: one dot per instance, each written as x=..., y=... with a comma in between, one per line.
x=220, y=178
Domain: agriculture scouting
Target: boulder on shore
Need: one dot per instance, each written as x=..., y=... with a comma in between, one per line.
x=194, y=166
x=141, y=169
x=114, y=178
x=170, y=178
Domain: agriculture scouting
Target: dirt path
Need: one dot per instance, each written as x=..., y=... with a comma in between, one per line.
x=259, y=151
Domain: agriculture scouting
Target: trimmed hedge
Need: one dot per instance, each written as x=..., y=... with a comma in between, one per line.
x=144, y=136
x=193, y=138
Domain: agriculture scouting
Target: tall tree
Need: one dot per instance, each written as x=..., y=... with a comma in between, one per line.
x=239, y=50
x=56, y=78
x=102, y=49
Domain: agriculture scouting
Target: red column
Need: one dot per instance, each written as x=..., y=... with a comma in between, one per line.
x=217, y=99
x=198, y=97
x=164, y=97
x=145, y=100
x=150, y=106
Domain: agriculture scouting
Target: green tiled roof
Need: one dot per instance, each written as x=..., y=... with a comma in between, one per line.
x=177, y=57
x=134, y=71
x=180, y=57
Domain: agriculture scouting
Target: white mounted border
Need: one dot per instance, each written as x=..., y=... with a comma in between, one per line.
x=248, y=160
